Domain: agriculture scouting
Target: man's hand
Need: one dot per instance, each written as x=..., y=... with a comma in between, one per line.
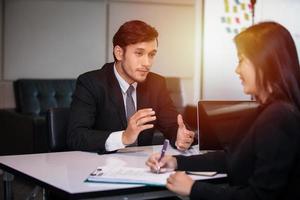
x=137, y=123
x=184, y=137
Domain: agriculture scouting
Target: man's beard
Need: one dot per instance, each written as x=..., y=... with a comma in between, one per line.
x=128, y=75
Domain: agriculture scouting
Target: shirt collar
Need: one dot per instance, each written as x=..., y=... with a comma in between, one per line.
x=123, y=84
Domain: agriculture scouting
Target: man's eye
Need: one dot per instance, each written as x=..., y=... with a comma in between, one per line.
x=152, y=55
x=138, y=53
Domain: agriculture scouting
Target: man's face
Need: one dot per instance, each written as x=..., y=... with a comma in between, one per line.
x=135, y=61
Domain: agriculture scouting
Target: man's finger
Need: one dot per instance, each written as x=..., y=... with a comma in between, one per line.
x=191, y=134
x=143, y=113
x=145, y=120
x=146, y=126
x=185, y=140
x=180, y=121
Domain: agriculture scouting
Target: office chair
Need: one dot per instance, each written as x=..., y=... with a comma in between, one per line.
x=57, y=119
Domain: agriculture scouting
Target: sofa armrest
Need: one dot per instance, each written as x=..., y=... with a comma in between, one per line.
x=16, y=133
x=21, y=134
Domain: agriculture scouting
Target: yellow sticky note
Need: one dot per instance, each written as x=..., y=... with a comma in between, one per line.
x=235, y=9
x=243, y=6
x=228, y=20
x=246, y=16
x=226, y=4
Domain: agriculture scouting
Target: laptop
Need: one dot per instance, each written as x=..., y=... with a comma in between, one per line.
x=217, y=121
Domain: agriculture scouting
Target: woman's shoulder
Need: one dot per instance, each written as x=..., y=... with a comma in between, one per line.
x=279, y=111
x=282, y=107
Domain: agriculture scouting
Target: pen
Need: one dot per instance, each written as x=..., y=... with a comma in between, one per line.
x=163, y=151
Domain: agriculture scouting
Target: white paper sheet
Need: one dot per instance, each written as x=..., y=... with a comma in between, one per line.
x=128, y=175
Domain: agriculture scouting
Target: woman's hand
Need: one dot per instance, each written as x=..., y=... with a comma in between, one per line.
x=167, y=163
x=180, y=183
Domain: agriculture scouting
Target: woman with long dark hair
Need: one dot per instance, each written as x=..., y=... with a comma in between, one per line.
x=263, y=160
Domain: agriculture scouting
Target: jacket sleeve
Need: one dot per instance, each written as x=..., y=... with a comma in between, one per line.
x=81, y=135
x=211, y=161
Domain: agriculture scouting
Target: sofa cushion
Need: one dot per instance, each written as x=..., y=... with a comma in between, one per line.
x=36, y=96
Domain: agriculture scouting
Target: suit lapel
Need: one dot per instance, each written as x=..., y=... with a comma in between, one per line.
x=116, y=97
x=142, y=96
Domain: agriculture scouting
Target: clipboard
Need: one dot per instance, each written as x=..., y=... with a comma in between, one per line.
x=128, y=175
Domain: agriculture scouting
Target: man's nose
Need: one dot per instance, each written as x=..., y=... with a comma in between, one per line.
x=147, y=62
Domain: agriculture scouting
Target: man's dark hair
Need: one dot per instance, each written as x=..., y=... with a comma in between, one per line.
x=133, y=32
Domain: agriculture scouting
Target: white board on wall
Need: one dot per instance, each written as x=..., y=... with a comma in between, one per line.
x=53, y=39
x=175, y=24
x=220, y=60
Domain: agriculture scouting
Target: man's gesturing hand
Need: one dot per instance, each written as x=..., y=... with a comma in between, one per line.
x=185, y=137
x=137, y=123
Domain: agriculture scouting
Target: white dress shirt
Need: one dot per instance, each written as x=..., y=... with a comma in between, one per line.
x=114, y=140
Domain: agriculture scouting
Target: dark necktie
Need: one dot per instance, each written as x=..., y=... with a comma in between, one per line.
x=130, y=108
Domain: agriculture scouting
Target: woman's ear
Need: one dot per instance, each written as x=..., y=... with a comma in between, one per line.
x=118, y=52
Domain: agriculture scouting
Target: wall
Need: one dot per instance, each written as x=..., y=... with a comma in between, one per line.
x=64, y=38
x=7, y=98
x=53, y=38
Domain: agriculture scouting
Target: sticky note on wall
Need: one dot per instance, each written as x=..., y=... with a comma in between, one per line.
x=228, y=29
x=235, y=9
x=228, y=20
x=237, y=1
x=226, y=4
x=243, y=6
x=246, y=15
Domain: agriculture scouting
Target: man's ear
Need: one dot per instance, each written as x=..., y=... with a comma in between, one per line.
x=118, y=51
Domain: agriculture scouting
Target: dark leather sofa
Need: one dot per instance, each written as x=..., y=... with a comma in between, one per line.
x=24, y=129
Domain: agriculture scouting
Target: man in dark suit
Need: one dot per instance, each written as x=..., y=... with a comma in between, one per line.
x=123, y=102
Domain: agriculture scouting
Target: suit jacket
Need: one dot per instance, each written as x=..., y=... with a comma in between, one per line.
x=97, y=109
x=261, y=163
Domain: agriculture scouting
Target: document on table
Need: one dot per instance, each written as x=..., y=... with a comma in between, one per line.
x=143, y=176
x=130, y=175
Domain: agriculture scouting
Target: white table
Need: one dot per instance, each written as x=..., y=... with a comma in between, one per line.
x=65, y=172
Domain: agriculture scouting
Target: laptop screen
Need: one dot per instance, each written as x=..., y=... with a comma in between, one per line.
x=217, y=121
